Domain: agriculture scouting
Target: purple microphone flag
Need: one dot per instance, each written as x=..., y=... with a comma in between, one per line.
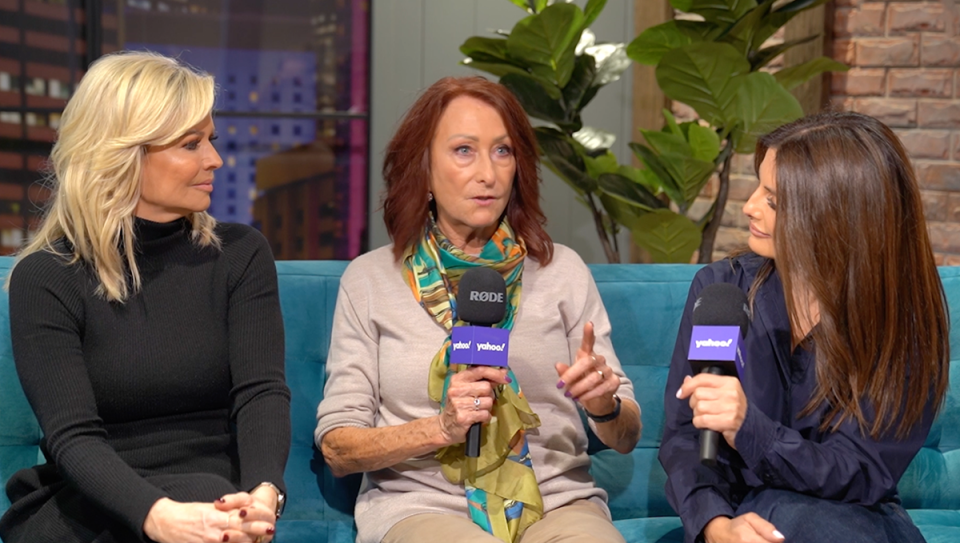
x=716, y=344
x=479, y=346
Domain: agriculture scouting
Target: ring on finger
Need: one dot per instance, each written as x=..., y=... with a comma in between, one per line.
x=476, y=403
x=601, y=374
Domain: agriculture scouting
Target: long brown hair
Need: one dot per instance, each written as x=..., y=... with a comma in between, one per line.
x=406, y=166
x=851, y=230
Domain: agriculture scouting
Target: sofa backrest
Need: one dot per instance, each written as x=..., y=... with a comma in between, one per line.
x=644, y=303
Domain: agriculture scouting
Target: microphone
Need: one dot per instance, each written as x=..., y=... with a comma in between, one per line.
x=721, y=316
x=482, y=302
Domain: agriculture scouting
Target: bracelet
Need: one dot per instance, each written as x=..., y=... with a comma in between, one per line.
x=281, y=497
x=608, y=417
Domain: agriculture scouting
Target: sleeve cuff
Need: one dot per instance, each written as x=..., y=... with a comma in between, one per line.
x=755, y=439
x=704, y=507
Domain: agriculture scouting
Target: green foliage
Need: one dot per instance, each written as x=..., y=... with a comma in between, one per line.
x=552, y=64
x=714, y=66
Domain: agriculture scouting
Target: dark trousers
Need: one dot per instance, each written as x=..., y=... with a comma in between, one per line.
x=805, y=519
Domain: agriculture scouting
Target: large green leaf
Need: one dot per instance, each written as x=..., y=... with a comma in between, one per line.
x=781, y=16
x=741, y=34
x=534, y=99
x=650, y=46
x=763, y=105
x=645, y=177
x=628, y=191
x=599, y=165
x=659, y=169
x=682, y=5
x=496, y=69
x=667, y=236
x=704, y=142
x=592, y=10
x=667, y=142
x=548, y=41
x=722, y=12
x=795, y=76
x=584, y=72
x=761, y=58
x=677, y=156
x=562, y=157
x=701, y=75
x=480, y=48
x=621, y=212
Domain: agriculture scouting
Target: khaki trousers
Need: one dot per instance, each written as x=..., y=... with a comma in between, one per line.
x=581, y=521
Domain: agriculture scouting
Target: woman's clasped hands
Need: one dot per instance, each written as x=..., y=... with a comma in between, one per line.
x=236, y=518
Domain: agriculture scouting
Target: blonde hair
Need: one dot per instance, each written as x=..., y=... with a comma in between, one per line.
x=125, y=102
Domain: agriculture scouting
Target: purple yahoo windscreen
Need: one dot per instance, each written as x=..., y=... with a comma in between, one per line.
x=479, y=346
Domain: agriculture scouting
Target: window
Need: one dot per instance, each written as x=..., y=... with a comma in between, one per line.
x=36, y=86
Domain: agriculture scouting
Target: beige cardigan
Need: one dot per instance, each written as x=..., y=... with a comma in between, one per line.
x=380, y=352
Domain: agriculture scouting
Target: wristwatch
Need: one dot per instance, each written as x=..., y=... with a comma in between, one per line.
x=281, y=497
x=608, y=417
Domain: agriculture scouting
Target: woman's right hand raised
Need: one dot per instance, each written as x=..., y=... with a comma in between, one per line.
x=747, y=528
x=469, y=400
x=174, y=522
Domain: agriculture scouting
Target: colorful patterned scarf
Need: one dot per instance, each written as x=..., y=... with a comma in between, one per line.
x=501, y=489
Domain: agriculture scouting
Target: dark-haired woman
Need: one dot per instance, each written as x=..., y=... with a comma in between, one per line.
x=462, y=192
x=847, y=351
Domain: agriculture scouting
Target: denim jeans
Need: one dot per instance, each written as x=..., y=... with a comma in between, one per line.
x=805, y=519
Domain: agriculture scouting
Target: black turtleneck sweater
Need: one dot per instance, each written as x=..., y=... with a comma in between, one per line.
x=186, y=376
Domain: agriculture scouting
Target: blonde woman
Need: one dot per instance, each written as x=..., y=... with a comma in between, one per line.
x=147, y=337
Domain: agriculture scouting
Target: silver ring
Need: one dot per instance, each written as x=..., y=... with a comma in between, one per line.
x=601, y=374
x=476, y=403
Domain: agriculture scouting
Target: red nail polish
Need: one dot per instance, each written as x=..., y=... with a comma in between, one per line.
x=243, y=513
x=221, y=500
x=270, y=531
x=226, y=538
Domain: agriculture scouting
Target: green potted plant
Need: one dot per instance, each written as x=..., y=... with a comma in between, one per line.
x=552, y=62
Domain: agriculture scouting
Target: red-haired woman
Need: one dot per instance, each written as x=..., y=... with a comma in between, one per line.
x=462, y=192
x=847, y=352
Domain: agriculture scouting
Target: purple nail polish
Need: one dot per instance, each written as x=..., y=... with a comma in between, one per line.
x=509, y=380
x=243, y=513
x=226, y=538
x=567, y=394
x=576, y=400
x=561, y=384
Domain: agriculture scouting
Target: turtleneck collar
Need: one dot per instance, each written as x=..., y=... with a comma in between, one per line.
x=150, y=233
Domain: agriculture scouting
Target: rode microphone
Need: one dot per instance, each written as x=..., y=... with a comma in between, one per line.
x=482, y=302
x=721, y=316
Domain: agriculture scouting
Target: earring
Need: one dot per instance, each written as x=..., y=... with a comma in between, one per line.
x=429, y=196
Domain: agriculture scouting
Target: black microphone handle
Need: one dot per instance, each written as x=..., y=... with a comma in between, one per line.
x=709, y=439
x=473, y=441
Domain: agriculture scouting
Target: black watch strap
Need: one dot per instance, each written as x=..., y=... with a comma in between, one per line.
x=608, y=417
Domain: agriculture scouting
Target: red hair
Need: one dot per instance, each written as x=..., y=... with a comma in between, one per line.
x=406, y=166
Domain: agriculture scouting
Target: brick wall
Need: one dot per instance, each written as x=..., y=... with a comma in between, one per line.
x=905, y=70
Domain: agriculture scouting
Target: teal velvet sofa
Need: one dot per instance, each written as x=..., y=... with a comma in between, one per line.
x=644, y=302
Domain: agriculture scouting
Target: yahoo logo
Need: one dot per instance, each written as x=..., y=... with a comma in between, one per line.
x=479, y=296
x=461, y=345
x=490, y=347
x=713, y=343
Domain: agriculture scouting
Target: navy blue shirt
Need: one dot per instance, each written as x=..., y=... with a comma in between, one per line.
x=775, y=447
